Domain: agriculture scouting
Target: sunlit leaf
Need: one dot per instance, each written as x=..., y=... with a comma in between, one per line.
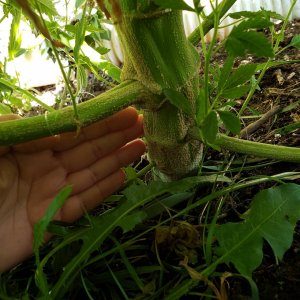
x=80, y=34
x=4, y=109
x=45, y=6
x=113, y=71
x=78, y=3
x=15, y=38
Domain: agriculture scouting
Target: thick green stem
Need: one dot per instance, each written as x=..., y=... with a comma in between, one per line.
x=158, y=54
x=275, y=152
x=22, y=130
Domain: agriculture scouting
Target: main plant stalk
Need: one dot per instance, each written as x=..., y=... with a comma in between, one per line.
x=158, y=54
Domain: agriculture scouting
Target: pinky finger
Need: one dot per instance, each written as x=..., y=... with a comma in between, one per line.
x=79, y=204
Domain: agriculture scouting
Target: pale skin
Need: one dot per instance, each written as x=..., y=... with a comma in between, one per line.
x=31, y=175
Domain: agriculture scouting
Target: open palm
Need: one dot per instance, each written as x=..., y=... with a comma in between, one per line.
x=32, y=174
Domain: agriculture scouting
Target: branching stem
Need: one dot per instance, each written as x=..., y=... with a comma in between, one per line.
x=104, y=105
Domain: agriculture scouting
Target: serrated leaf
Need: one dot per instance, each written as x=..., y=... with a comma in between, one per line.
x=240, y=43
x=235, y=92
x=15, y=38
x=243, y=14
x=252, y=14
x=45, y=6
x=209, y=127
x=178, y=100
x=295, y=42
x=130, y=221
x=231, y=121
x=80, y=33
x=241, y=75
x=41, y=226
x=254, y=23
x=225, y=72
x=113, y=71
x=173, y=4
x=272, y=216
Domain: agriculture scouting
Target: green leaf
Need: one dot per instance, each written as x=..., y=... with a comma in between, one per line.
x=45, y=6
x=295, y=42
x=4, y=109
x=272, y=216
x=18, y=102
x=241, y=42
x=15, y=38
x=253, y=23
x=78, y=3
x=198, y=7
x=241, y=75
x=102, y=226
x=235, y=92
x=231, y=121
x=113, y=71
x=178, y=100
x=209, y=128
x=130, y=221
x=225, y=72
x=6, y=88
x=81, y=77
x=259, y=14
x=173, y=4
x=26, y=94
x=200, y=105
x=41, y=226
x=288, y=128
x=80, y=34
x=102, y=50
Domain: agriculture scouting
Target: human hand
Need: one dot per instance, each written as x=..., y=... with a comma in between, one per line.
x=32, y=174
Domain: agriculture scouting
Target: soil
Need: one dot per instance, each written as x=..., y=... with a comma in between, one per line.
x=279, y=91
